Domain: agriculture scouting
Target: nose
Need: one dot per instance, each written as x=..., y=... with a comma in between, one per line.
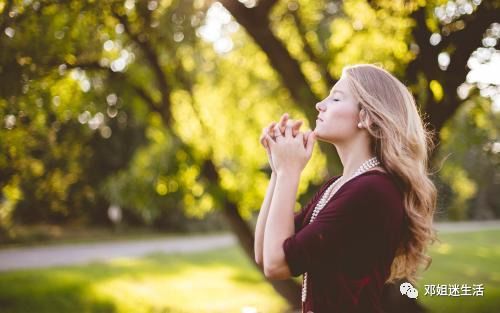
x=320, y=106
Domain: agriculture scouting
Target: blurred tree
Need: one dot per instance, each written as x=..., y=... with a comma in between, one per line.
x=173, y=96
x=50, y=160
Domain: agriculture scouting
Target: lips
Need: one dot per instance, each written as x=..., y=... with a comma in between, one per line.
x=320, y=119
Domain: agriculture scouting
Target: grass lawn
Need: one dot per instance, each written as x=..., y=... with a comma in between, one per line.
x=223, y=280
x=226, y=281
x=465, y=258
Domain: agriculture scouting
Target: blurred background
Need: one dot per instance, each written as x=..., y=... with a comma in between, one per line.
x=130, y=169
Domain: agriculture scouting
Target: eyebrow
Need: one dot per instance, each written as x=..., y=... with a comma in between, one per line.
x=339, y=91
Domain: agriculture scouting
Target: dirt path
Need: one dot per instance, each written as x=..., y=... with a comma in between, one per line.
x=460, y=227
x=68, y=254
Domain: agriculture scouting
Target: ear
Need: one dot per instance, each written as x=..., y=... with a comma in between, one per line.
x=364, y=119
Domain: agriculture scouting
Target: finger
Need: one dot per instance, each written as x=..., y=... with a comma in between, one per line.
x=306, y=136
x=297, y=124
x=300, y=137
x=293, y=123
x=264, y=132
x=270, y=129
x=270, y=126
x=288, y=131
x=268, y=150
x=264, y=142
x=283, y=121
x=295, y=127
x=310, y=143
x=277, y=131
x=270, y=141
x=261, y=138
x=289, y=123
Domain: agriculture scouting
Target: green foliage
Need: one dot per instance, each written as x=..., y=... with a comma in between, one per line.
x=48, y=152
x=372, y=35
x=130, y=102
x=470, y=163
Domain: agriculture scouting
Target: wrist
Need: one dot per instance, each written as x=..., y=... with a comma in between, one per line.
x=288, y=174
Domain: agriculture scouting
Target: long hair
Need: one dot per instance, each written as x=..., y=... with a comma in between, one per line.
x=402, y=144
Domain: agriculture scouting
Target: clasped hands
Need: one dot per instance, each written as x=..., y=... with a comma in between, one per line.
x=288, y=149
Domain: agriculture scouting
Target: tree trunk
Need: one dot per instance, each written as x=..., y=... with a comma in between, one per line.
x=288, y=289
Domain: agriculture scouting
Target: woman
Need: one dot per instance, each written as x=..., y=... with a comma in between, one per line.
x=364, y=228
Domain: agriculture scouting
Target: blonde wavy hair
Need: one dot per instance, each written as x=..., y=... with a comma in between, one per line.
x=402, y=144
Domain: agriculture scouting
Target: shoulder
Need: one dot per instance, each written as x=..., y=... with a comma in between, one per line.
x=380, y=196
x=374, y=183
x=372, y=190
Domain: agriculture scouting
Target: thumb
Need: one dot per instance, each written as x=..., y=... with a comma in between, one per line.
x=263, y=140
x=306, y=136
x=270, y=141
x=310, y=143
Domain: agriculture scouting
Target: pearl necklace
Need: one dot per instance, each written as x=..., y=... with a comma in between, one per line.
x=327, y=195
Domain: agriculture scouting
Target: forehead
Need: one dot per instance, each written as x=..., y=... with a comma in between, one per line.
x=340, y=87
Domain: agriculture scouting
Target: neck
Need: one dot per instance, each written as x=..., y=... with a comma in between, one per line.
x=352, y=156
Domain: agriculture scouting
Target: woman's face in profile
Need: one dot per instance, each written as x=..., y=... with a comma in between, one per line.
x=338, y=114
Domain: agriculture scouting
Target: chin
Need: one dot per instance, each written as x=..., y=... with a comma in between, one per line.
x=317, y=134
x=324, y=138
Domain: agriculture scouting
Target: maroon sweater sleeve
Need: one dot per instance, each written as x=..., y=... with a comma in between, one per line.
x=353, y=225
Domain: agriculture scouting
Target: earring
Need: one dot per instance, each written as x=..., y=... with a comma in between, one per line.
x=360, y=125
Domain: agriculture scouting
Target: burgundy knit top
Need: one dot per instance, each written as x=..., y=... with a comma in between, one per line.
x=349, y=248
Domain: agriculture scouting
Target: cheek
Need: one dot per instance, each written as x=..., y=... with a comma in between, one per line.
x=344, y=117
x=340, y=123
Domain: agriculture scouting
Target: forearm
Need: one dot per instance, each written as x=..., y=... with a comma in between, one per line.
x=280, y=220
x=261, y=220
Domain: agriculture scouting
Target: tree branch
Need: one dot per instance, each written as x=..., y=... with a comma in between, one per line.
x=5, y=16
x=141, y=92
x=462, y=43
x=6, y=20
x=257, y=26
x=475, y=24
x=153, y=60
x=265, y=6
x=465, y=42
x=320, y=62
x=427, y=56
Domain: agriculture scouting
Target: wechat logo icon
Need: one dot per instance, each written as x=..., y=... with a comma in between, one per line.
x=408, y=290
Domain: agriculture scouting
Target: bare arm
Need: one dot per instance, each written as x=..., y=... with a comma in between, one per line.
x=264, y=210
x=261, y=220
x=280, y=225
x=289, y=158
